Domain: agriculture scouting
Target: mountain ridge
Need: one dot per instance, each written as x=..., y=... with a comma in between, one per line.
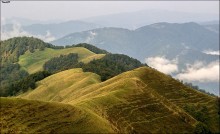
x=138, y=83
x=181, y=44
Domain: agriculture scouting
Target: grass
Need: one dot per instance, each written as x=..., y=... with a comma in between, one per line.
x=64, y=84
x=30, y=116
x=33, y=62
x=142, y=100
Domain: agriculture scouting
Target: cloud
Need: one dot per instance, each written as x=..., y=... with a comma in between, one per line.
x=211, y=52
x=201, y=72
x=48, y=37
x=162, y=64
x=90, y=37
x=17, y=31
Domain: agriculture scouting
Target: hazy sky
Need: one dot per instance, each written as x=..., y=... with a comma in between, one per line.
x=73, y=10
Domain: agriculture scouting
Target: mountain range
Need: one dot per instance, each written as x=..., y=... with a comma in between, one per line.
x=48, y=31
x=75, y=99
x=136, y=19
x=55, y=29
x=180, y=44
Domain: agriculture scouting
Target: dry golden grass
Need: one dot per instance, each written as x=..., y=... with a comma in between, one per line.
x=142, y=100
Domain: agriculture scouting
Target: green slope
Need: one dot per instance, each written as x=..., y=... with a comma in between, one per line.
x=33, y=62
x=142, y=100
x=29, y=116
x=63, y=85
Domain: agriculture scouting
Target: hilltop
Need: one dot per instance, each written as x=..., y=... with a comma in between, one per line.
x=22, y=56
x=182, y=44
x=141, y=100
x=82, y=89
x=33, y=62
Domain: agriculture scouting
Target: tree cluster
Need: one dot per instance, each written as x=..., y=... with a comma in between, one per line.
x=9, y=73
x=92, y=48
x=63, y=62
x=200, y=114
x=111, y=65
x=25, y=84
x=188, y=84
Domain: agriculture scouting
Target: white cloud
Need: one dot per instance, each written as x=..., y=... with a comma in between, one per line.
x=162, y=64
x=201, y=72
x=19, y=32
x=211, y=52
x=48, y=37
x=90, y=37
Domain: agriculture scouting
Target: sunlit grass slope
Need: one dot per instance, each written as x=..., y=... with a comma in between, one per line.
x=142, y=100
x=31, y=116
x=33, y=62
x=60, y=87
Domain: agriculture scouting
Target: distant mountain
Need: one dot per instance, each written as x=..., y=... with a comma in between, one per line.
x=185, y=43
x=133, y=20
x=169, y=39
x=47, y=32
x=60, y=29
x=209, y=22
x=213, y=27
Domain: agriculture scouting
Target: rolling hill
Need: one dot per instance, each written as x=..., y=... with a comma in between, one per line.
x=22, y=56
x=33, y=62
x=181, y=43
x=141, y=100
x=30, y=116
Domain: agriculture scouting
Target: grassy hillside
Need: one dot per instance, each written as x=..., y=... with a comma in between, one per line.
x=29, y=116
x=63, y=85
x=142, y=100
x=33, y=62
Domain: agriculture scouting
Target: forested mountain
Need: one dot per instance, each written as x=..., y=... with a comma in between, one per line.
x=107, y=67
x=11, y=49
x=10, y=52
x=23, y=56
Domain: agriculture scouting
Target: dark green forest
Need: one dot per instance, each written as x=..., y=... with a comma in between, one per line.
x=90, y=47
x=107, y=67
x=63, y=62
x=23, y=85
x=111, y=65
x=10, y=51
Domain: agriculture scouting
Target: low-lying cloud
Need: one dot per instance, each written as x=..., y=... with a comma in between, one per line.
x=211, y=52
x=90, y=37
x=162, y=64
x=17, y=31
x=201, y=72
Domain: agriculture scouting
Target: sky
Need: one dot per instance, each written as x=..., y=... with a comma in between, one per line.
x=75, y=10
